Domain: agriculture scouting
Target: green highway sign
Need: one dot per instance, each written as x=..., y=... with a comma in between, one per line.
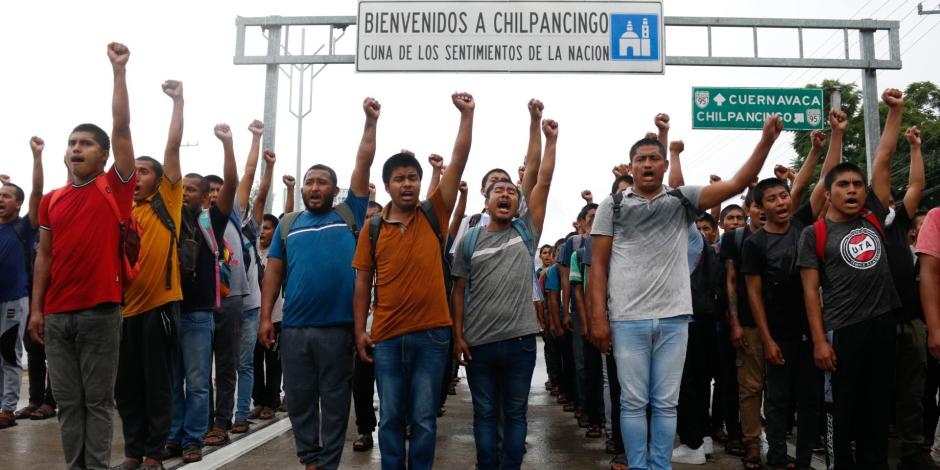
x=746, y=108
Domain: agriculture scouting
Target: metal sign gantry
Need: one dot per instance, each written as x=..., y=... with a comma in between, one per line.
x=867, y=61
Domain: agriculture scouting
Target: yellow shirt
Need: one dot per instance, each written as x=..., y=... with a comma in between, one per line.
x=149, y=288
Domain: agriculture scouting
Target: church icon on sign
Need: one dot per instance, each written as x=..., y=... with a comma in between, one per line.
x=634, y=37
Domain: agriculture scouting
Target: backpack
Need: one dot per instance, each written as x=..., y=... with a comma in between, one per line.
x=29, y=254
x=159, y=208
x=474, y=234
x=427, y=208
x=618, y=201
x=223, y=256
x=821, y=231
x=474, y=220
x=706, y=281
x=190, y=240
x=287, y=221
x=129, y=231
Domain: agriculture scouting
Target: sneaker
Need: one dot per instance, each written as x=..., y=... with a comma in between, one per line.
x=708, y=445
x=688, y=455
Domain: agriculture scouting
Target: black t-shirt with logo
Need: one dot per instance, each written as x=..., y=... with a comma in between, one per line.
x=773, y=257
x=902, y=264
x=855, y=278
x=731, y=250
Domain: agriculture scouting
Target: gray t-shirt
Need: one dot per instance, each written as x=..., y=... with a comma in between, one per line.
x=233, y=240
x=856, y=279
x=253, y=299
x=277, y=313
x=499, y=305
x=649, y=265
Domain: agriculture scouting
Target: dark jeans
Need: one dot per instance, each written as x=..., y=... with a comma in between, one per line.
x=40, y=390
x=266, y=390
x=144, y=388
x=799, y=379
x=82, y=350
x=725, y=398
x=226, y=344
x=499, y=377
x=408, y=371
x=363, y=393
x=318, y=369
x=614, y=417
x=909, y=386
x=568, y=372
x=593, y=383
x=861, y=387
x=448, y=375
x=692, y=423
x=552, y=360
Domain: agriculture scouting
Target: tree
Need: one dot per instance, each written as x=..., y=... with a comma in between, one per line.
x=921, y=108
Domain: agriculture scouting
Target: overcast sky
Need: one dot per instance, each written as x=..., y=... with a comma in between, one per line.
x=58, y=75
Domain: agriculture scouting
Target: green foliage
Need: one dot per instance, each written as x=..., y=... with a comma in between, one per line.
x=921, y=108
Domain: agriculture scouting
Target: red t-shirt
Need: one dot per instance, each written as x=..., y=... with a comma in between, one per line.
x=86, y=267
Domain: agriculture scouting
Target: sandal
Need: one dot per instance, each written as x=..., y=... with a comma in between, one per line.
x=255, y=412
x=216, y=437
x=283, y=407
x=24, y=412
x=364, y=443
x=752, y=458
x=172, y=451
x=192, y=453
x=43, y=412
x=735, y=447
x=6, y=419
x=240, y=427
x=583, y=422
x=611, y=447
x=619, y=463
x=266, y=413
x=593, y=432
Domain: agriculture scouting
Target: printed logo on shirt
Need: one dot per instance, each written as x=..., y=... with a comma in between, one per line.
x=11, y=313
x=861, y=248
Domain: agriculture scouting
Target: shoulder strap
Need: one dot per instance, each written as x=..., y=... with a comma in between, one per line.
x=375, y=225
x=868, y=215
x=686, y=203
x=820, y=228
x=474, y=220
x=523, y=231
x=739, y=238
x=469, y=245
x=345, y=212
x=618, y=201
x=427, y=207
x=159, y=207
x=21, y=230
x=101, y=182
x=284, y=226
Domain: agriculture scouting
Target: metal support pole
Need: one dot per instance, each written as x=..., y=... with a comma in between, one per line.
x=270, y=103
x=870, y=98
x=300, y=121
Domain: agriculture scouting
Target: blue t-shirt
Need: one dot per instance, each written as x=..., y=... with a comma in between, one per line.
x=320, y=279
x=551, y=279
x=13, y=276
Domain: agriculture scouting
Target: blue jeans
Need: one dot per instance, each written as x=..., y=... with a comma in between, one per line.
x=499, y=376
x=650, y=355
x=246, y=363
x=190, y=407
x=408, y=371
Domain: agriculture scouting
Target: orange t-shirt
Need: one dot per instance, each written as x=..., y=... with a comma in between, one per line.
x=409, y=278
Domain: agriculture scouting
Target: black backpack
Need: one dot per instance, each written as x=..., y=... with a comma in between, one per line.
x=707, y=281
x=190, y=241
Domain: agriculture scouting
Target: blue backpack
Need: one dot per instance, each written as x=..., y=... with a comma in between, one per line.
x=473, y=235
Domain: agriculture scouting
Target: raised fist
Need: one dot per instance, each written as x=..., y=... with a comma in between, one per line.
x=269, y=157
x=372, y=108
x=819, y=139
x=256, y=128
x=651, y=136
x=223, y=132
x=173, y=88
x=893, y=98
x=587, y=196
x=36, y=144
x=4, y=179
x=753, y=183
x=535, y=109
x=372, y=188
x=550, y=129
x=436, y=161
x=838, y=120
x=662, y=121
x=463, y=187
x=622, y=169
x=520, y=171
x=912, y=135
x=781, y=172
x=676, y=146
x=463, y=101
x=289, y=181
x=773, y=126
x=118, y=54
x=712, y=179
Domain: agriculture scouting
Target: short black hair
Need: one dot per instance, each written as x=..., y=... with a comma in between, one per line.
x=765, y=185
x=488, y=173
x=561, y=241
x=544, y=247
x=705, y=216
x=20, y=195
x=584, y=210
x=918, y=214
x=269, y=218
x=157, y=166
x=216, y=179
x=843, y=167
x=489, y=189
x=618, y=180
x=645, y=141
x=749, y=198
x=325, y=168
x=97, y=134
x=400, y=160
x=373, y=204
x=203, y=181
x=730, y=207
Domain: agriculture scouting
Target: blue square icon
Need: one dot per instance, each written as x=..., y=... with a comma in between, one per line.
x=634, y=37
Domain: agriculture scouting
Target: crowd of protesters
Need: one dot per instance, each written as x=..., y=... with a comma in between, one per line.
x=176, y=299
